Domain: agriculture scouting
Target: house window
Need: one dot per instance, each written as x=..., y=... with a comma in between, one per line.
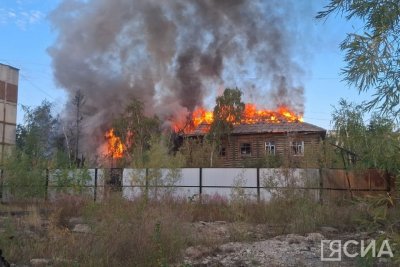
x=222, y=151
x=245, y=149
x=270, y=148
x=297, y=148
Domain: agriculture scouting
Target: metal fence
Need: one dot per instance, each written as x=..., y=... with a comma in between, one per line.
x=253, y=183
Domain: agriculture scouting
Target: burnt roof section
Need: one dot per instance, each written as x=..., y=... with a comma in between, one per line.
x=201, y=129
x=264, y=127
x=281, y=127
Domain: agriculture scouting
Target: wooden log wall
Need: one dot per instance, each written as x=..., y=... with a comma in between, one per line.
x=283, y=141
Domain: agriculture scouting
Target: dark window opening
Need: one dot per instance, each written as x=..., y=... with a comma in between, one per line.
x=245, y=149
x=222, y=151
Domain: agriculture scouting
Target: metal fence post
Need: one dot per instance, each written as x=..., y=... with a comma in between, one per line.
x=147, y=184
x=200, y=181
x=95, y=185
x=1, y=184
x=321, y=186
x=258, y=185
x=46, y=185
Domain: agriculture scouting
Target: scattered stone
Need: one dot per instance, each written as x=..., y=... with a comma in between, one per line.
x=314, y=237
x=228, y=247
x=81, y=228
x=75, y=220
x=40, y=262
x=286, y=250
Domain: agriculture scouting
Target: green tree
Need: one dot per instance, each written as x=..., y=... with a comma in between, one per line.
x=373, y=145
x=373, y=57
x=135, y=130
x=228, y=110
x=348, y=124
x=383, y=148
x=37, y=136
x=36, y=149
x=196, y=152
x=163, y=168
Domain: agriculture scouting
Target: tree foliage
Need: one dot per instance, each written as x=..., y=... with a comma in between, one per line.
x=37, y=148
x=348, y=124
x=227, y=111
x=375, y=144
x=197, y=152
x=37, y=136
x=135, y=129
x=373, y=57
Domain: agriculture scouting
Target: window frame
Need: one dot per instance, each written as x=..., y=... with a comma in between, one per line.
x=269, y=147
x=295, y=147
x=245, y=147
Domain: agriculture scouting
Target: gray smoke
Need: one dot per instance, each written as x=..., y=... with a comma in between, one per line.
x=172, y=54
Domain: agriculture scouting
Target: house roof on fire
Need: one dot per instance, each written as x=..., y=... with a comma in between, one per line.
x=264, y=127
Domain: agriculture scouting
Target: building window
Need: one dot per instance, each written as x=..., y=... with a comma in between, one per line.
x=245, y=149
x=222, y=151
x=270, y=148
x=297, y=148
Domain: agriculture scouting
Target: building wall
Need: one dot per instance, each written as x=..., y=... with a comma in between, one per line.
x=284, y=155
x=8, y=108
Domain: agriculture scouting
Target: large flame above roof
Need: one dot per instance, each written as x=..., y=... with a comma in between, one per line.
x=251, y=115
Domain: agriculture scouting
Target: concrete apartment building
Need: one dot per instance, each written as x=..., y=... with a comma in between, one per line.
x=8, y=108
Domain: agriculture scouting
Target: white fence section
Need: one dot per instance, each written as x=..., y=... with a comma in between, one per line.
x=80, y=181
x=224, y=181
x=227, y=182
x=252, y=183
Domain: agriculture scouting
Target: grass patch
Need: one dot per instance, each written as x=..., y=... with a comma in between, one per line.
x=154, y=233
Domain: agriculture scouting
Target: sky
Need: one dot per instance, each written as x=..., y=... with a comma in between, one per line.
x=26, y=34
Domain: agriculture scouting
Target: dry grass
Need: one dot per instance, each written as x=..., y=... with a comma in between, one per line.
x=151, y=233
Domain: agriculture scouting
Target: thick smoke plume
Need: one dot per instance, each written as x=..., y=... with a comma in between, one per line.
x=174, y=54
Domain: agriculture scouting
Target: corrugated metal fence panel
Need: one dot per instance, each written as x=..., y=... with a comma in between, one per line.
x=61, y=181
x=226, y=182
x=229, y=177
x=180, y=182
x=130, y=179
x=274, y=181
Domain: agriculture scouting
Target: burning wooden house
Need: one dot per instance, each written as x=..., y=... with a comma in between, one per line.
x=264, y=138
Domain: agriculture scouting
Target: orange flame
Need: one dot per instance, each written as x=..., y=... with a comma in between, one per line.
x=282, y=114
x=114, y=145
x=250, y=115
